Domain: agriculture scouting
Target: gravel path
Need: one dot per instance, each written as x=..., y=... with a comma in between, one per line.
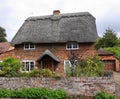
x=117, y=90
x=117, y=85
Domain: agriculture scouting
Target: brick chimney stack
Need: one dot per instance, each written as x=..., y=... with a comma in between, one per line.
x=56, y=12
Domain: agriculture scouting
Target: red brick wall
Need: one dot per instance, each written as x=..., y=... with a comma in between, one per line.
x=7, y=54
x=85, y=50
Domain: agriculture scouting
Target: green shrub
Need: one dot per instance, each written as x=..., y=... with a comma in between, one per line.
x=5, y=93
x=35, y=73
x=46, y=72
x=11, y=67
x=94, y=67
x=59, y=94
x=104, y=95
x=33, y=93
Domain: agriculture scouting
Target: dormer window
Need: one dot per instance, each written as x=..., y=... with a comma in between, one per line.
x=72, y=45
x=29, y=46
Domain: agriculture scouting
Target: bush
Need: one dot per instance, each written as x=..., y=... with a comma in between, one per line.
x=104, y=95
x=10, y=67
x=5, y=93
x=88, y=67
x=35, y=73
x=59, y=94
x=94, y=67
x=45, y=72
x=41, y=93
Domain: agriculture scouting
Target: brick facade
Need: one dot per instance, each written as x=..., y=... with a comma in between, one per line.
x=7, y=54
x=59, y=50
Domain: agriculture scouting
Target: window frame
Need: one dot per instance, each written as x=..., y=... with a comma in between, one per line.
x=72, y=44
x=29, y=65
x=70, y=65
x=29, y=46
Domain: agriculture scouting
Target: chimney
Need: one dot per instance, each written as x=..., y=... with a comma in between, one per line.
x=56, y=12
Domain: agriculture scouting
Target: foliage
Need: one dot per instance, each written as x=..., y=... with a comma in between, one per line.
x=88, y=67
x=94, y=67
x=41, y=93
x=104, y=95
x=5, y=93
x=46, y=72
x=37, y=73
x=109, y=39
x=114, y=50
x=10, y=67
x=2, y=35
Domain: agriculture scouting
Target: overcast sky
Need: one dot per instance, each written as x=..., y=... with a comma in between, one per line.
x=14, y=12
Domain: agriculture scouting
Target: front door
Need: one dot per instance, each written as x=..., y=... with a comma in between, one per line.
x=47, y=63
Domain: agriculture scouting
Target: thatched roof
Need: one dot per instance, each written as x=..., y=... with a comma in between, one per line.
x=61, y=28
x=50, y=54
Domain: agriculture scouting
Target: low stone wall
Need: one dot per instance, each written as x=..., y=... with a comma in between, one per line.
x=73, y=85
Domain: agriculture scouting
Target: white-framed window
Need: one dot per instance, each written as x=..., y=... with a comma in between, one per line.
x=29, y=46
x=67, y=65
x=72, y=45
x=28, y=65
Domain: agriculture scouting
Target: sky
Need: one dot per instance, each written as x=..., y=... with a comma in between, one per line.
x=14, y=12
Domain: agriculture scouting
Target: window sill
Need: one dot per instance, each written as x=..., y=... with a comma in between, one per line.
x=72, y=49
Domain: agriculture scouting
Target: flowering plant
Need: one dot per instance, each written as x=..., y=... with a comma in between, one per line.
x=57, y=74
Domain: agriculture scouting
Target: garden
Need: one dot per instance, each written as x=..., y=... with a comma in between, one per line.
x=90, y=67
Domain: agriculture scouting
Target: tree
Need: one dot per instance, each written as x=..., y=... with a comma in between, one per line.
x=109, y=39
x=114, y=50
x=2, y=35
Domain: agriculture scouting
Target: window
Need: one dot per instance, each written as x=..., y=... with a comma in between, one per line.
x=29, y=46
x=67, y=65
x=28, y=65
x=72, y=45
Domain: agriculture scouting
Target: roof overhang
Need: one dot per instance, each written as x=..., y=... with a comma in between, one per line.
x=50, y=54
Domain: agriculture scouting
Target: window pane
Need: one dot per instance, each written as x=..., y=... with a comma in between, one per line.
x=31, y=65
x=23, y=67
x=27, y=66
x=75, y=45
x=26, y=46
x=69, y=45
x=32, y=46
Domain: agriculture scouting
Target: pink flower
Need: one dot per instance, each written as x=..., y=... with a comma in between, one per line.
x=57, y=69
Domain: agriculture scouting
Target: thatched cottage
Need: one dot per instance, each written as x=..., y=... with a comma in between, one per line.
x=49, y=41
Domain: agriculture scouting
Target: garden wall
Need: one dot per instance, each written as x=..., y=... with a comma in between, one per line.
x=73, y=85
